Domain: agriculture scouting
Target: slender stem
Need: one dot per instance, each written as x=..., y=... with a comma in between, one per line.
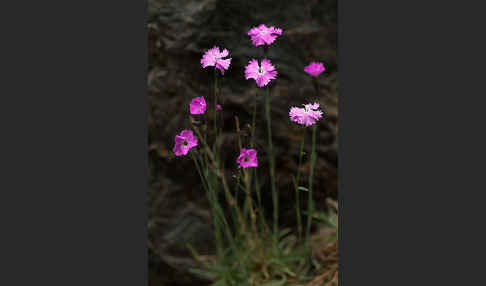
x=254, y=173
x=310, y=204
x=215, y=203
x=215, y=130
x=198, y=168
x=271, y=159
x=249, y=199
x=236, y=195
x=219, y=172
x=311, y=176
x=205, y=130
x=247, y=181
x=253, y=122
x=272, y=163
x=261, y=211
x=238, y=131
x=211, y=198
x=297, y=182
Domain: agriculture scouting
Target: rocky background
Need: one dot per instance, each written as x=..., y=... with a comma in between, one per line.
x=179, y=33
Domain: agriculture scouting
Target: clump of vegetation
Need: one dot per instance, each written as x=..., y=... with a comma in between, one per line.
x=256, y=262
x=249, y=251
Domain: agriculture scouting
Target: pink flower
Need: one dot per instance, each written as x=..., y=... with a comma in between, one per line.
x=184, y=142
x=198, y=105
x=218, y=107
x=262, y=74
x=248, y=158
x=214, y=58
x=306, y=116
x=262, y=34
x=314, y=69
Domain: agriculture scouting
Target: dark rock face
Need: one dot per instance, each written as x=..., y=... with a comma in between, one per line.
x=179, y=33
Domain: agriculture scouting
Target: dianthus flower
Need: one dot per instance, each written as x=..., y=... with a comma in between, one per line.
x=306, y=116
x=219, y=107
x=184, y=142
x=262, y=34
x=262, y=74
x=198, y=105
x=214, y=58
x=314, y=69
x=248, y=158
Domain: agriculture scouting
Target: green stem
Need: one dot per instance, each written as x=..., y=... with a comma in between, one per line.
x=272, y=164
x=250, y=200
x=261, y=213
x=257, y=190
x=198, y=168
x=253, y=122
x=310, y=204
x=311, y=176
x=233, y=211
x=215, y=130
x=297, y=182
x=211, y=198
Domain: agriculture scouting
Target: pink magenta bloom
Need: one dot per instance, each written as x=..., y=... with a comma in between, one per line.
x=198, y=105
x=184, y=142
x=248, y=158
x=314, y=69
x=214, y=58
x=262, y=74
x=306, y=116
x=218, y=107
x=262, y=34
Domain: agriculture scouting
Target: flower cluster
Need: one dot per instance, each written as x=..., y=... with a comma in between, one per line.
x=262, y=72
x=265, y=72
